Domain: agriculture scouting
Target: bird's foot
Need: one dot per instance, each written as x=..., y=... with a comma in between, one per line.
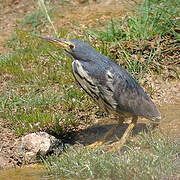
x=106, y=147
x=115, y=146
x=95, y=144
x=119, y=144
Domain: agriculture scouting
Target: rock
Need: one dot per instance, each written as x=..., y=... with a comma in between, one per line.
x=39, y=144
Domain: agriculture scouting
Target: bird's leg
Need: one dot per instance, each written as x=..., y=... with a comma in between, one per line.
x=120, y=143
x=109, y=133
x=102, y=141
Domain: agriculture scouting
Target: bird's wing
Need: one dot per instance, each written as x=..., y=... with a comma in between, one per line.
x=84, y=79
x=106, y=89
x=132, y=99
x=112, y=86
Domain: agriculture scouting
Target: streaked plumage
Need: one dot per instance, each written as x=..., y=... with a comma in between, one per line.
x=108, y=84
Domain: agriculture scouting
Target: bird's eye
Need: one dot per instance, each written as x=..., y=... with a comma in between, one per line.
x=71, y=46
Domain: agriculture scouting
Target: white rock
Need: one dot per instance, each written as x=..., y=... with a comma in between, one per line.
x=39, y=144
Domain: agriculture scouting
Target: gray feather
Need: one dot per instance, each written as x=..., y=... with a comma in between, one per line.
x=110, y=84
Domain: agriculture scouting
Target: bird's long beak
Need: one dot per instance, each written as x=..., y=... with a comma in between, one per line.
x=65, y=44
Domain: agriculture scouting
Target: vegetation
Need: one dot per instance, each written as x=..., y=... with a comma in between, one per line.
x=39, y=92
x=149, y=157
x=145, y=42
x=41, y=88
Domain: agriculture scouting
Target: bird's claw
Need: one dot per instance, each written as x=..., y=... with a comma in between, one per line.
x=95, y=145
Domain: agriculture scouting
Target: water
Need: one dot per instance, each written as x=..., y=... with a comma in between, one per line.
x=170, y=123
x=35, y=172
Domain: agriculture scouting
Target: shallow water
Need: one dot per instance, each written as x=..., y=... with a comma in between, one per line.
x=170, y=123
x=35, y=172
x=169, y=126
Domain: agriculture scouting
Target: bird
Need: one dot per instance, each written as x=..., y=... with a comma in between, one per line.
x=109, y=84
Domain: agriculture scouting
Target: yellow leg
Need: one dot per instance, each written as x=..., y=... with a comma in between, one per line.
x=120, y=143
x=102, y=141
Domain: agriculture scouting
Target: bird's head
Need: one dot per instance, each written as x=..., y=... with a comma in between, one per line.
x=78, y=49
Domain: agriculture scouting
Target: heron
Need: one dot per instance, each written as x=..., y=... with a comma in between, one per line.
x=110, y=85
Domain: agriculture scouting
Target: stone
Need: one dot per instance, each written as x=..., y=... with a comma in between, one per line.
x=39, y=144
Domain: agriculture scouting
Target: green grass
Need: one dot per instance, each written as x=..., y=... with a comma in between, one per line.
x=34, y=20
x=154, y=18
x=40, y=88
x=139, y=42
x=37, y=20
x=150, y=156
x=149, y=20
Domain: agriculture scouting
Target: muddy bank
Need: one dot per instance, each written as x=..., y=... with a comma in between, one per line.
x=9, y=156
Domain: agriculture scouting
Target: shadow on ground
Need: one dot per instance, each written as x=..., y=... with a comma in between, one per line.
x=96, y=133
x=169, y=126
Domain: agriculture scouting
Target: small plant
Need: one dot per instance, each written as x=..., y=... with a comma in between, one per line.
x=34, y=20
x=45, y=12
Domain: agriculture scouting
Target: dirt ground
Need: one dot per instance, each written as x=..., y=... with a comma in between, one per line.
x=85, y=13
